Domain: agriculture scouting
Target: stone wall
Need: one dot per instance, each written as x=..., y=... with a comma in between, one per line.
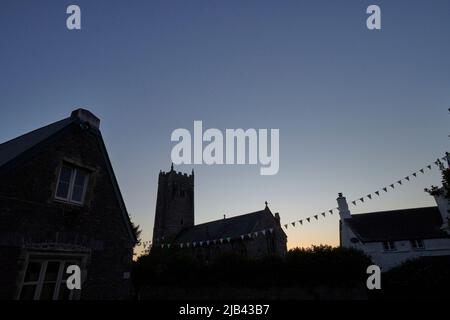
x=29, y=214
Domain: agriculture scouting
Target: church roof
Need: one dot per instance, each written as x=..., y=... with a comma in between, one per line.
x=404, y=224
x=231, y=227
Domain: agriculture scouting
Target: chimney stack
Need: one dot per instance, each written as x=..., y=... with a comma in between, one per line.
x=87, y=117
x=344, y=213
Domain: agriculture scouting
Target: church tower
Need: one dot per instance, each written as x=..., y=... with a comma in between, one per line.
x=174, y=204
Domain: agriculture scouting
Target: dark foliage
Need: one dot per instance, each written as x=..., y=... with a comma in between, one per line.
x=422, y=278
x=319, y=265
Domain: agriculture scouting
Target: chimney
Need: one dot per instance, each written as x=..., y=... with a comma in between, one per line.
x=444, y=207
x=344, y=213
x=87, y=117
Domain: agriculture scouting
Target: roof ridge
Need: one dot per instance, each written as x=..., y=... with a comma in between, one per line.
x=394, y=210
x=228, y=219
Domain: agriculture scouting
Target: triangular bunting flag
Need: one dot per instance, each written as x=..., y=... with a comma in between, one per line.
x=293, y=224
x=271, y=230
x=256, y=233
x=264, y=232
x=228, y=239
x=286, y=226
x=415, y=174
x=362, y=199
x=242, y=237
x=354, y=203
x=188, y=244
x=392, y=186
x=300, y=221
x=162, y=246
x=330, y=211
x=200, y=243
x=168, y=246
x=249, y=235
x=385, y=189
x=421, y=170
x=369, y=196
x=407, y=178
x=308, y=219
x=377, y=193
x=194, y=244
x=399, y=181
x=323, y=213
x=207, y=243
x=181, y=245
x=316, y=217
x=429, y=167
x=221, y=240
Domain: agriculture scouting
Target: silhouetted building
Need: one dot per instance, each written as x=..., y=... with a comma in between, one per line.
x=60, y=205
x=254, y=234
x=392, y=237
x=174, y=204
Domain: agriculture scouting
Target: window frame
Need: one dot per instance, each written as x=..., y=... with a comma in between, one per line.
x=64, y=259
x=417, y=244
x=73, y=173
x=389, y=246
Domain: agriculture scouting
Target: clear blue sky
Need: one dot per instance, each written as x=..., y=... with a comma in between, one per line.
x=356, y=109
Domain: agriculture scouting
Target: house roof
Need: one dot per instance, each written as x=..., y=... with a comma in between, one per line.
x=12, y=149
x=414, y=223
x=228, y=228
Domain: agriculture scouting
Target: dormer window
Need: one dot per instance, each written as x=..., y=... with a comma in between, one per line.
x=72, y=183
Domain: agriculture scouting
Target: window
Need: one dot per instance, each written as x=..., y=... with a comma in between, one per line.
x=46, y=280
x=417, y=244
x=72, y=184
x=389, y=245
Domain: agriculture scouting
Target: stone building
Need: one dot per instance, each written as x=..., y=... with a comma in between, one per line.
x=255, y=234
x=60, y=205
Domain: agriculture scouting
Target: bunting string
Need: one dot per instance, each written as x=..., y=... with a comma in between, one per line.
x=146, y=245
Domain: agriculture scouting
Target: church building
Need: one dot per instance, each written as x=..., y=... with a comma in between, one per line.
x=254, y=235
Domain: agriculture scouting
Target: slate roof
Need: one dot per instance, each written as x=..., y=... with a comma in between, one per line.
x=231, y=227
x=405, y=224
x=9, y=150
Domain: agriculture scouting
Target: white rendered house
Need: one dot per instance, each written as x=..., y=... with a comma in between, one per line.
x=393, y=237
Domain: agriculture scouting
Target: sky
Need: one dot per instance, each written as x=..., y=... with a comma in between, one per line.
x=357, y=109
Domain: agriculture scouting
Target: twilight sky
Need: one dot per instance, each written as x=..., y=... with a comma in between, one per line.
x=356, y=109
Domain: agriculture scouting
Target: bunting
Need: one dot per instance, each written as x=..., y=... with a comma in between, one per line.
x=208, y=242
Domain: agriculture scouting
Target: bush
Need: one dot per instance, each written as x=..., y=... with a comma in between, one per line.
x=318, y=265
x=422, y=278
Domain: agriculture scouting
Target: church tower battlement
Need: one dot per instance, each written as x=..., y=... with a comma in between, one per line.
x=174, y=204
